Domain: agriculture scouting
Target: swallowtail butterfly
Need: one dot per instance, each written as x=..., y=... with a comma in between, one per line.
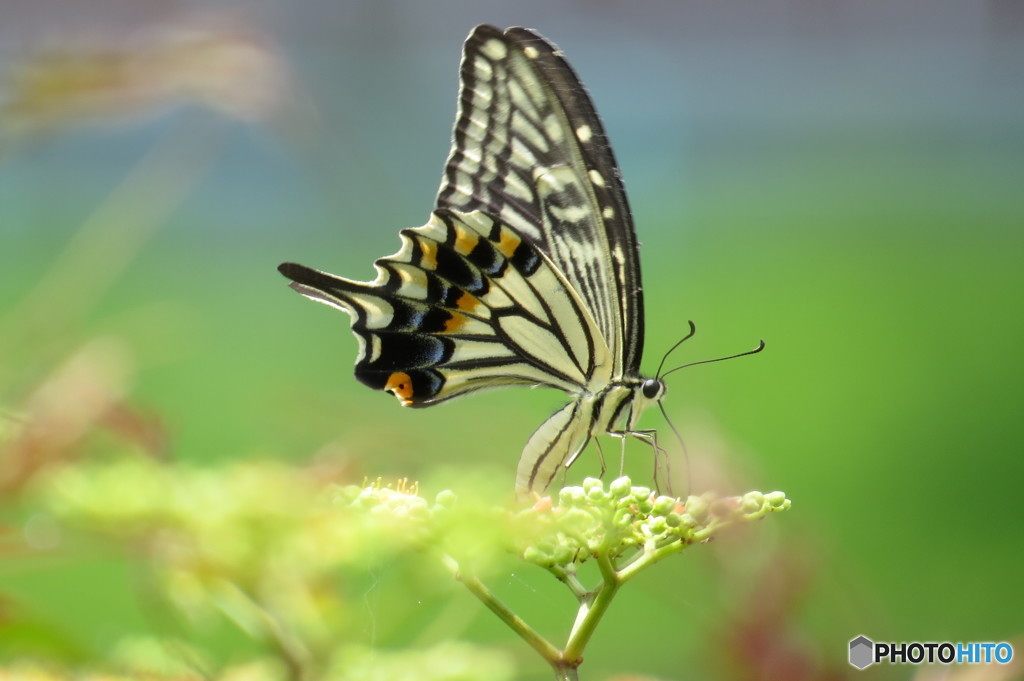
x=526, y=272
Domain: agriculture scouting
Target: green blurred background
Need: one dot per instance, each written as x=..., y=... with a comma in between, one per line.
x=845, y=180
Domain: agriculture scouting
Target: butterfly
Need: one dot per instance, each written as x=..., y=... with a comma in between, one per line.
x=526, y=273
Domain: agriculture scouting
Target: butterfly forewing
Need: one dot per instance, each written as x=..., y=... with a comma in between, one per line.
x=530, y=151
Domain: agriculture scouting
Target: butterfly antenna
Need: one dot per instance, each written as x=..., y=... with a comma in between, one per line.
x=759, y=348
x=693, y=330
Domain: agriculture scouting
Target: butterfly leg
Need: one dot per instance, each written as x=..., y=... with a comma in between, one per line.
x=621, y=434
x=600, y=456
x=661, y=458
x=649, y=437
x=622, y=455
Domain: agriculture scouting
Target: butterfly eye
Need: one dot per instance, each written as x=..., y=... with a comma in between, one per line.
x=652, y=388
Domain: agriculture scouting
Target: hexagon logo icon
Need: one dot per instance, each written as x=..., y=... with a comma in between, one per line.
x=862, y=652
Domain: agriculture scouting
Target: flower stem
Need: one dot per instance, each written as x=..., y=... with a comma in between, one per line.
x=592, y=609
x=565, y=672
x=550, y=653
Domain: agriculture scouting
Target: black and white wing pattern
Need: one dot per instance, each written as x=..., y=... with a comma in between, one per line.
x=527, y=271
x=530, y=150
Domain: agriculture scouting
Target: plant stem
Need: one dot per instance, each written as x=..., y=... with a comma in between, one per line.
x=550, y=653
x=592, y=609
x=253, y=617
x=570, y=580
x=564, y=672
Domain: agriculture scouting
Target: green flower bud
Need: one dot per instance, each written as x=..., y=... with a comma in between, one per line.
x=697, y=509
x=752, y=502
x=419, y=512
x=577, y=520
x=664, y=505
x=658, y=525
x=534, y=555
x=776, y=499
x=620, y=487
x=446, y=498
x=571, y=496
x=563, y=555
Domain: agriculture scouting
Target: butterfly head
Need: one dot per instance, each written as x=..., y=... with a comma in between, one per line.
x=648, y=392
x=652, y=389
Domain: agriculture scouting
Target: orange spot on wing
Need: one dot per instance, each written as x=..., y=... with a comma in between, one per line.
x=400, y=385
x=508, y=242
x=429, y=251
x=467, y=302
x=455, y=322
x=465, y=241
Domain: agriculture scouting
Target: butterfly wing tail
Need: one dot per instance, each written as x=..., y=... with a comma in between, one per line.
x=316, y=285
x=392, y=357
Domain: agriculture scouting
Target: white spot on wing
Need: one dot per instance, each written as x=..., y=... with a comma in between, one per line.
x=584, y=133
x=596, y=178
x=531, y=52
x=569, y=213
x=494, y=48
x=553, y=128
x=608, y=213
x=619, y=256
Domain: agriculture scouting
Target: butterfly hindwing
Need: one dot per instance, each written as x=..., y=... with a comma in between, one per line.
x=461, y=306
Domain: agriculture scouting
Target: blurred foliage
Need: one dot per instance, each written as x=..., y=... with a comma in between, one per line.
x=263, y=546
x=271, y=549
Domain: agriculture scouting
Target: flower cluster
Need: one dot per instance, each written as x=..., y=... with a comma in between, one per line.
x=592, y=519
x=621, y=519
x=270, y=547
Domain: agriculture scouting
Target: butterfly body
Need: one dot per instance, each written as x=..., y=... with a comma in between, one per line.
x=527, y=271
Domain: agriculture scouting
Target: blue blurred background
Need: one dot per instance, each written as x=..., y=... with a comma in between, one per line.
x=843, y=179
